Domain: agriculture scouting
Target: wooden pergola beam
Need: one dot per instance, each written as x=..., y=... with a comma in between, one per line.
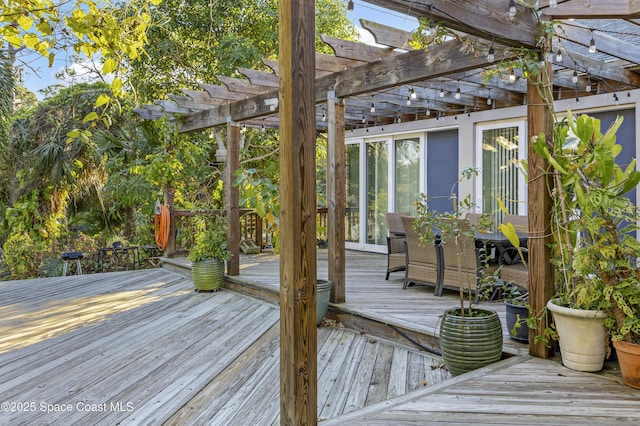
x=580, y=9
x=481, y=19
x=447, y=58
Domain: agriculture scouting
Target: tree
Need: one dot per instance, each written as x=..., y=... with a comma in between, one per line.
x=204, y=39
x=201, y=39
x=93, y=28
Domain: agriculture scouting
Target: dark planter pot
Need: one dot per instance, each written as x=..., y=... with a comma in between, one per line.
x=207, y=274
x=513, y=313
x=323, y=291
x=468, y=343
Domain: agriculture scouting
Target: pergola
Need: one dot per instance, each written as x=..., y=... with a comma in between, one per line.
x=591, y=50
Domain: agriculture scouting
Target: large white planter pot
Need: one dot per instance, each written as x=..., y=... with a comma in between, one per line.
x=581, y=334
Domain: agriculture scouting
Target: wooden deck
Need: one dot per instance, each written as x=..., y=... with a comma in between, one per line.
x=369, y=295
x=142, y=347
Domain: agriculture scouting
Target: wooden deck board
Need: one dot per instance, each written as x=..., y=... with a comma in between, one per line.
x=487, y=397
x=182, y=358
x=144, y=348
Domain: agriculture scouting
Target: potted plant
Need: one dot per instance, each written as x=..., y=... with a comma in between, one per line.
x=209, y=253
x=470, y=338
x=493, y=287
x=594, y=225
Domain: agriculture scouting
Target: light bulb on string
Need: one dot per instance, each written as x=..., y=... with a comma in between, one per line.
x=458, y=94
x=512, y=76
x=512, y=8
x=592, y=45
x=350, y=6
x=588, y=87
x=575, y=76
x=408, y=100
x=489, y=100
x=373, y=107
x=559, y=55
x=413, y=94
x=491, y=56
x=442, y=92
x=324, y=115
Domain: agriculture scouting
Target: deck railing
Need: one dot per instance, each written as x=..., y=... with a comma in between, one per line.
x=252, y=227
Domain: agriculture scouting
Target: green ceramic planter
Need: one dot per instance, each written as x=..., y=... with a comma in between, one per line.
x=468, y=343
x=207, y=274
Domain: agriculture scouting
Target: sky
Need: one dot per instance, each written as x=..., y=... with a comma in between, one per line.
x=37, y=75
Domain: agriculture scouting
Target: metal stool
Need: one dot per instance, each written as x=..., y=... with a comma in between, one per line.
x=71, y=255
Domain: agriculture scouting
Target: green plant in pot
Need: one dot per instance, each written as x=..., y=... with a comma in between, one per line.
x=516, y=301
x=594, y=225
x=470, y=337
x=209, y=253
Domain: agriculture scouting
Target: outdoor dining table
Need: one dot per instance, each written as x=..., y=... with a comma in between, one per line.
x=502, y=245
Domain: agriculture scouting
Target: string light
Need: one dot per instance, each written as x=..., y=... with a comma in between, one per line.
x=350, y=6
x=428, y=109
x=324, y=115
x=364, y=120
x=592, y=45
x=458, y=94
x=408, y=100
x=615, y=96
x=492, y=53
x=628, y=96
x=588, y=87
x=489, y=100
x=512, y=76
x=559, y=55
x=575, y=76
x=399, y=120
x=512, y=8
x=413, y=94
x=430, y=30
x=262, y=128
x=442, y=92
x=373, y=107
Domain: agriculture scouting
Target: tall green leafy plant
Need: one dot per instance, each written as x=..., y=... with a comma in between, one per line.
x=594, y=223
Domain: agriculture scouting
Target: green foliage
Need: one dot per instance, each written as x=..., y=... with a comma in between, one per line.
x=6, y=102
x=210, y=240
x=115, y=31
x=201, y=39
x=594, y=222
x=23, y=256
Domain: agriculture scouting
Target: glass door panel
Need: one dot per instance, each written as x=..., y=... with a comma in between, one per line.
x=377, y=192
x=407, y=174
x=352, y=210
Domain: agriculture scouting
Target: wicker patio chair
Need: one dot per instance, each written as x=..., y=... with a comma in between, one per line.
x=471, y=263
x=396, y=251
x=422, y=266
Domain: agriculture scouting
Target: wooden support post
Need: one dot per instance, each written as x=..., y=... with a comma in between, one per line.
x=336, y=197
x=232, y=202
x=541, y=288
x=298, y=340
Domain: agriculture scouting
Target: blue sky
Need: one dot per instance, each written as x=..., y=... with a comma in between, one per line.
x=37, y=75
